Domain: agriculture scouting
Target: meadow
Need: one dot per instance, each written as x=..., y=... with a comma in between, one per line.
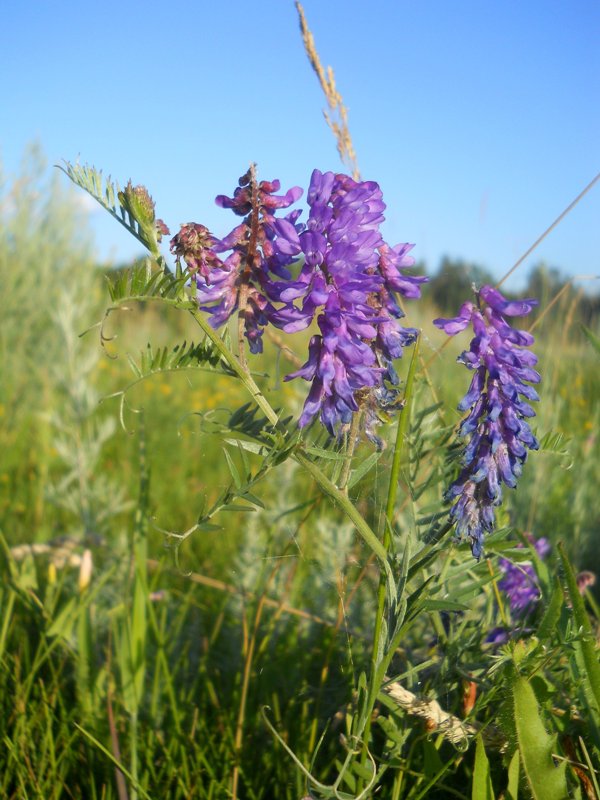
x=237, y=661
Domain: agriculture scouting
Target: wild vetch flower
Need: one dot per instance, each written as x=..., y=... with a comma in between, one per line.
x=519, y=581
x=348, y=281
x=498, y=437
x=238, y=281
x=519, y=584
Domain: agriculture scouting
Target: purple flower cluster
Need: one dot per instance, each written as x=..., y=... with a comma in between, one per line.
x=520, y=585
x=498, y=437
x=349, y=282
x=238, y=281
x=519, y=581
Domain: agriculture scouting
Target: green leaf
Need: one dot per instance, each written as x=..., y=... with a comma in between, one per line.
x=250, y=447
x=556, y=444
x=432, y=762
x=92, y=181
x=184, y=356
x=244, y=460
x=204, y=525
x=512, y=790
x=63, y=623
x=546, y=782
x=117, y=763
x=547, y=626
x=361, y=703
x=320, y=452
x=233, y=470
x=141, y=283
x=482, y=781
x=252, y=498
x=357, y=474
x=245, y=420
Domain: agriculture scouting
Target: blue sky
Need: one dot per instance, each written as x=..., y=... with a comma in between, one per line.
x=480, y=120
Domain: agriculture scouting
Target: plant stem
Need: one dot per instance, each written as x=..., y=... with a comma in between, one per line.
x=351, y=446
x=243, y=299
x=239, y=728
x=375, y=683
x=321, y=479
x=401, y=437
x=133, y=740
x=391, y=503
x=234, y=364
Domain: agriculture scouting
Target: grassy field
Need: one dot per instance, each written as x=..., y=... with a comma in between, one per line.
x=131, y=668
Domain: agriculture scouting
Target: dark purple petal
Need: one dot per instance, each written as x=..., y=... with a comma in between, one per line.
x=288, y=241
x=456, y=324
x=475, y=389
x=511, y=308
x=320, y=188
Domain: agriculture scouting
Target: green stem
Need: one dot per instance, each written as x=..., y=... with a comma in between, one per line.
x=242, y=327
x=248, y=381
x=377, y=673
x=347, y=507
x=390, y=506
x=321, y=479
x=351, y=446
x=401, y=438
x=133, y=739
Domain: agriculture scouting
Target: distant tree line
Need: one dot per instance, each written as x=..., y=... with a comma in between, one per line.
x=451, y=285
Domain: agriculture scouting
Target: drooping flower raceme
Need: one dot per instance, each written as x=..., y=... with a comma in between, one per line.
x=496, y=432
x=348, y=281
x=238, y=281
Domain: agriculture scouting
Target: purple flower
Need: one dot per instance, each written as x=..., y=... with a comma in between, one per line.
x=520, y=585
x=519, y=581
x=497, y=435
x=348, y=282
x=194, y=244
x=239, y=281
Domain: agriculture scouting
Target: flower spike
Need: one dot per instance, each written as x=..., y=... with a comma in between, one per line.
x=240, y=280
x=497, y=436
x=349, y=283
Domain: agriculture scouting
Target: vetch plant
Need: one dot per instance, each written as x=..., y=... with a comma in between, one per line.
x=334, y=273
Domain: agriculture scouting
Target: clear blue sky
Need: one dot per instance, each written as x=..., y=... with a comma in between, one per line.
x=480, y=120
